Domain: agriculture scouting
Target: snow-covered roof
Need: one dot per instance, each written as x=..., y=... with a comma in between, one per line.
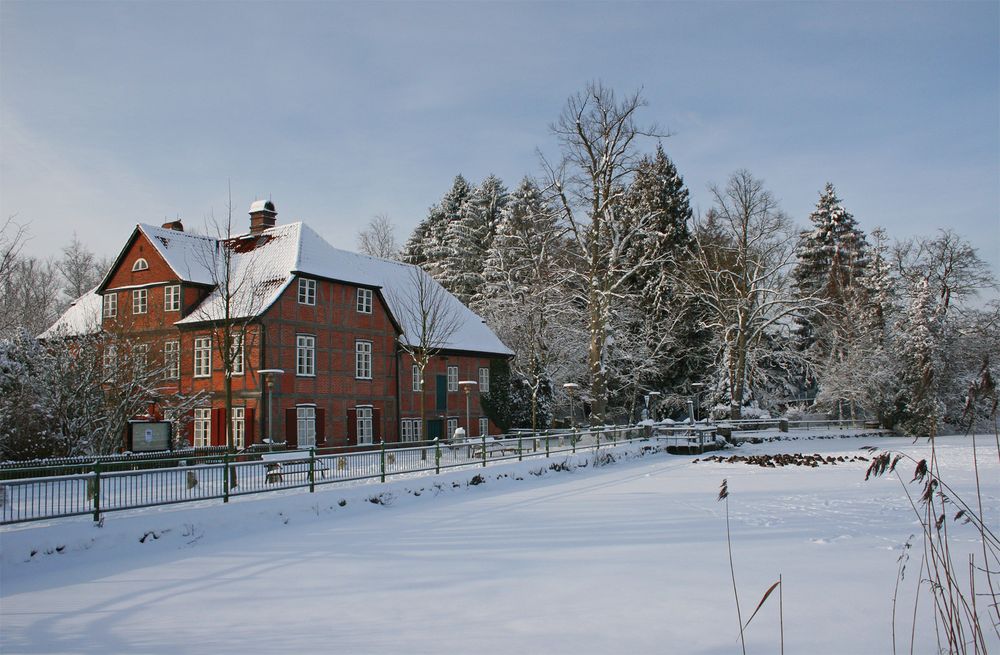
x=264, y=264
x=82, y=317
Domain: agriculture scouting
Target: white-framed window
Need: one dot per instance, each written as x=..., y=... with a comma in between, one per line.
x=110, y=305
x=172, y=298
x=237, y=348
x=305, y=355
x=365, y=431
x=140, y=265
x=411, y=429
x=484, y=380
x=363, y=360
x=452, y=426
x=306, y=425
x=365, y=301
x=172, y=360
x=484, y=425
x=239, y=426
x=452, y=378
x=139, y=300
x=202, y=426
x=202, y=357
x=142, y=356
x=418, y=383
x=307, y=291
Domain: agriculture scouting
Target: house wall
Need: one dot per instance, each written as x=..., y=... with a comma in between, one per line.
x=270, y=343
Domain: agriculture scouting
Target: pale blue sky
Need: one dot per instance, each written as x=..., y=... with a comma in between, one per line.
x=113, y=113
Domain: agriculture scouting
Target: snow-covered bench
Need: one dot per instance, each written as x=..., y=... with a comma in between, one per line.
x=279, y=463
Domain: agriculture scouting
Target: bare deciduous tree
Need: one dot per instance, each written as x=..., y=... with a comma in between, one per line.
x=378, y=238
x=598, y=135
x=429, y=319
x=738, y=272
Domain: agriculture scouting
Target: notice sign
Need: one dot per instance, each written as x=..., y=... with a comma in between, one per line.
x=147, y=436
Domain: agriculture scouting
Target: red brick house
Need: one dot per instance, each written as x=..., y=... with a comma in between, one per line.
x=335, y=322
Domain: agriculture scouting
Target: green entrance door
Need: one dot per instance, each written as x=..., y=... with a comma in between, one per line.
x=442, y=393
x=434, y=429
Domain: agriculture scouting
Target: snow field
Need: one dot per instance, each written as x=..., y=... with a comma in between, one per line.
x=628, y=557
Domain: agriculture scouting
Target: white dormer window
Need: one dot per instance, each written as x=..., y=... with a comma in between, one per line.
x=365, y=301
x=307, y=291
x=140, y=265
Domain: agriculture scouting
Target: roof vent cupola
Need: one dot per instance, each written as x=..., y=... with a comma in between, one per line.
x=177, y=226
x=262, y=216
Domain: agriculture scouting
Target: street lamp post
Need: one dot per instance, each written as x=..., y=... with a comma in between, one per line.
x=654, y=397
x=694, y=402
x=467, y=386
x=269, y=375
x=571, y=388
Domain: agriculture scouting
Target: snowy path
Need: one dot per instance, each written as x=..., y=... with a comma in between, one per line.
x=630, y=557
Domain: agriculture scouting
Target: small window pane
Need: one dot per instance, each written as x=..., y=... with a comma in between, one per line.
x=139, y=297
x=484, y=380
x=202, y=426
x=239, y=426
x=172, y=298
x=452, y=378
x=306, y=428
x=365, y=301
x=202, y=357
x=363, y=360
x=484, y=426
x=305, y=355
x=110, y=305
x=307, y=291
x=172, y=359
x=417, y=382
x=365, y=433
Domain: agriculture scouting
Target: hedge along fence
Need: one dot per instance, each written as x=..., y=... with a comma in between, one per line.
x=36, y=493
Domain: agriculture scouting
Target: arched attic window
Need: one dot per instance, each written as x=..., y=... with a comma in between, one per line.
x=140, y=265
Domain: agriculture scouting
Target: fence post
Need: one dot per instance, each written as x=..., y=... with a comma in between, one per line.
x=547, y=440
x=519, y=452
x=597, y=441
x=312, y=469
x=97, y=490
x=225, y=482
x=573, y=439
x=382, y=457
x=437, y=456
x=484, y=449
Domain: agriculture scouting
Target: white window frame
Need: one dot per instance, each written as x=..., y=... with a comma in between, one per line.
x=140, y=301
x=172, y=360
x=305, y=355
x=484, y=379
x=452, y=378
x=451, y=425
x=142, y=356
x=140, y=265
x=307, y=291
x=305, y=425
x=172, y=298
x=406, y=430
x=238, y=419
x=237, y=358
x=202, y=430
x=203, y=357
x=484, y=425
x=110, y=305
x=364, y=304
x=418, y=383
x=362, y=360
x=365, y=429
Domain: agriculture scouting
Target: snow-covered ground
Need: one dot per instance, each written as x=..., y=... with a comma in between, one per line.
x=626, y=557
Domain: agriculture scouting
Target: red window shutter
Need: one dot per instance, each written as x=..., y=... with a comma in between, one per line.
x=376, y=424
x=352, y=426
x=320, y=426
x=219, y=426
x=249, y=427
x=291, y=428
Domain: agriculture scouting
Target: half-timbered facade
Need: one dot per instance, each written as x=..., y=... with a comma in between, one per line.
x=331, y=321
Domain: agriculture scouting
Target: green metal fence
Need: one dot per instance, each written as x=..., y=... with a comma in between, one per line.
x=45, y=492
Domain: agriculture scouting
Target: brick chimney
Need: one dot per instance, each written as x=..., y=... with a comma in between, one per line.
x=262, y=216
x=176, y=226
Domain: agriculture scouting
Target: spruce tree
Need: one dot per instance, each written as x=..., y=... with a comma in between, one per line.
x=831, y=261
